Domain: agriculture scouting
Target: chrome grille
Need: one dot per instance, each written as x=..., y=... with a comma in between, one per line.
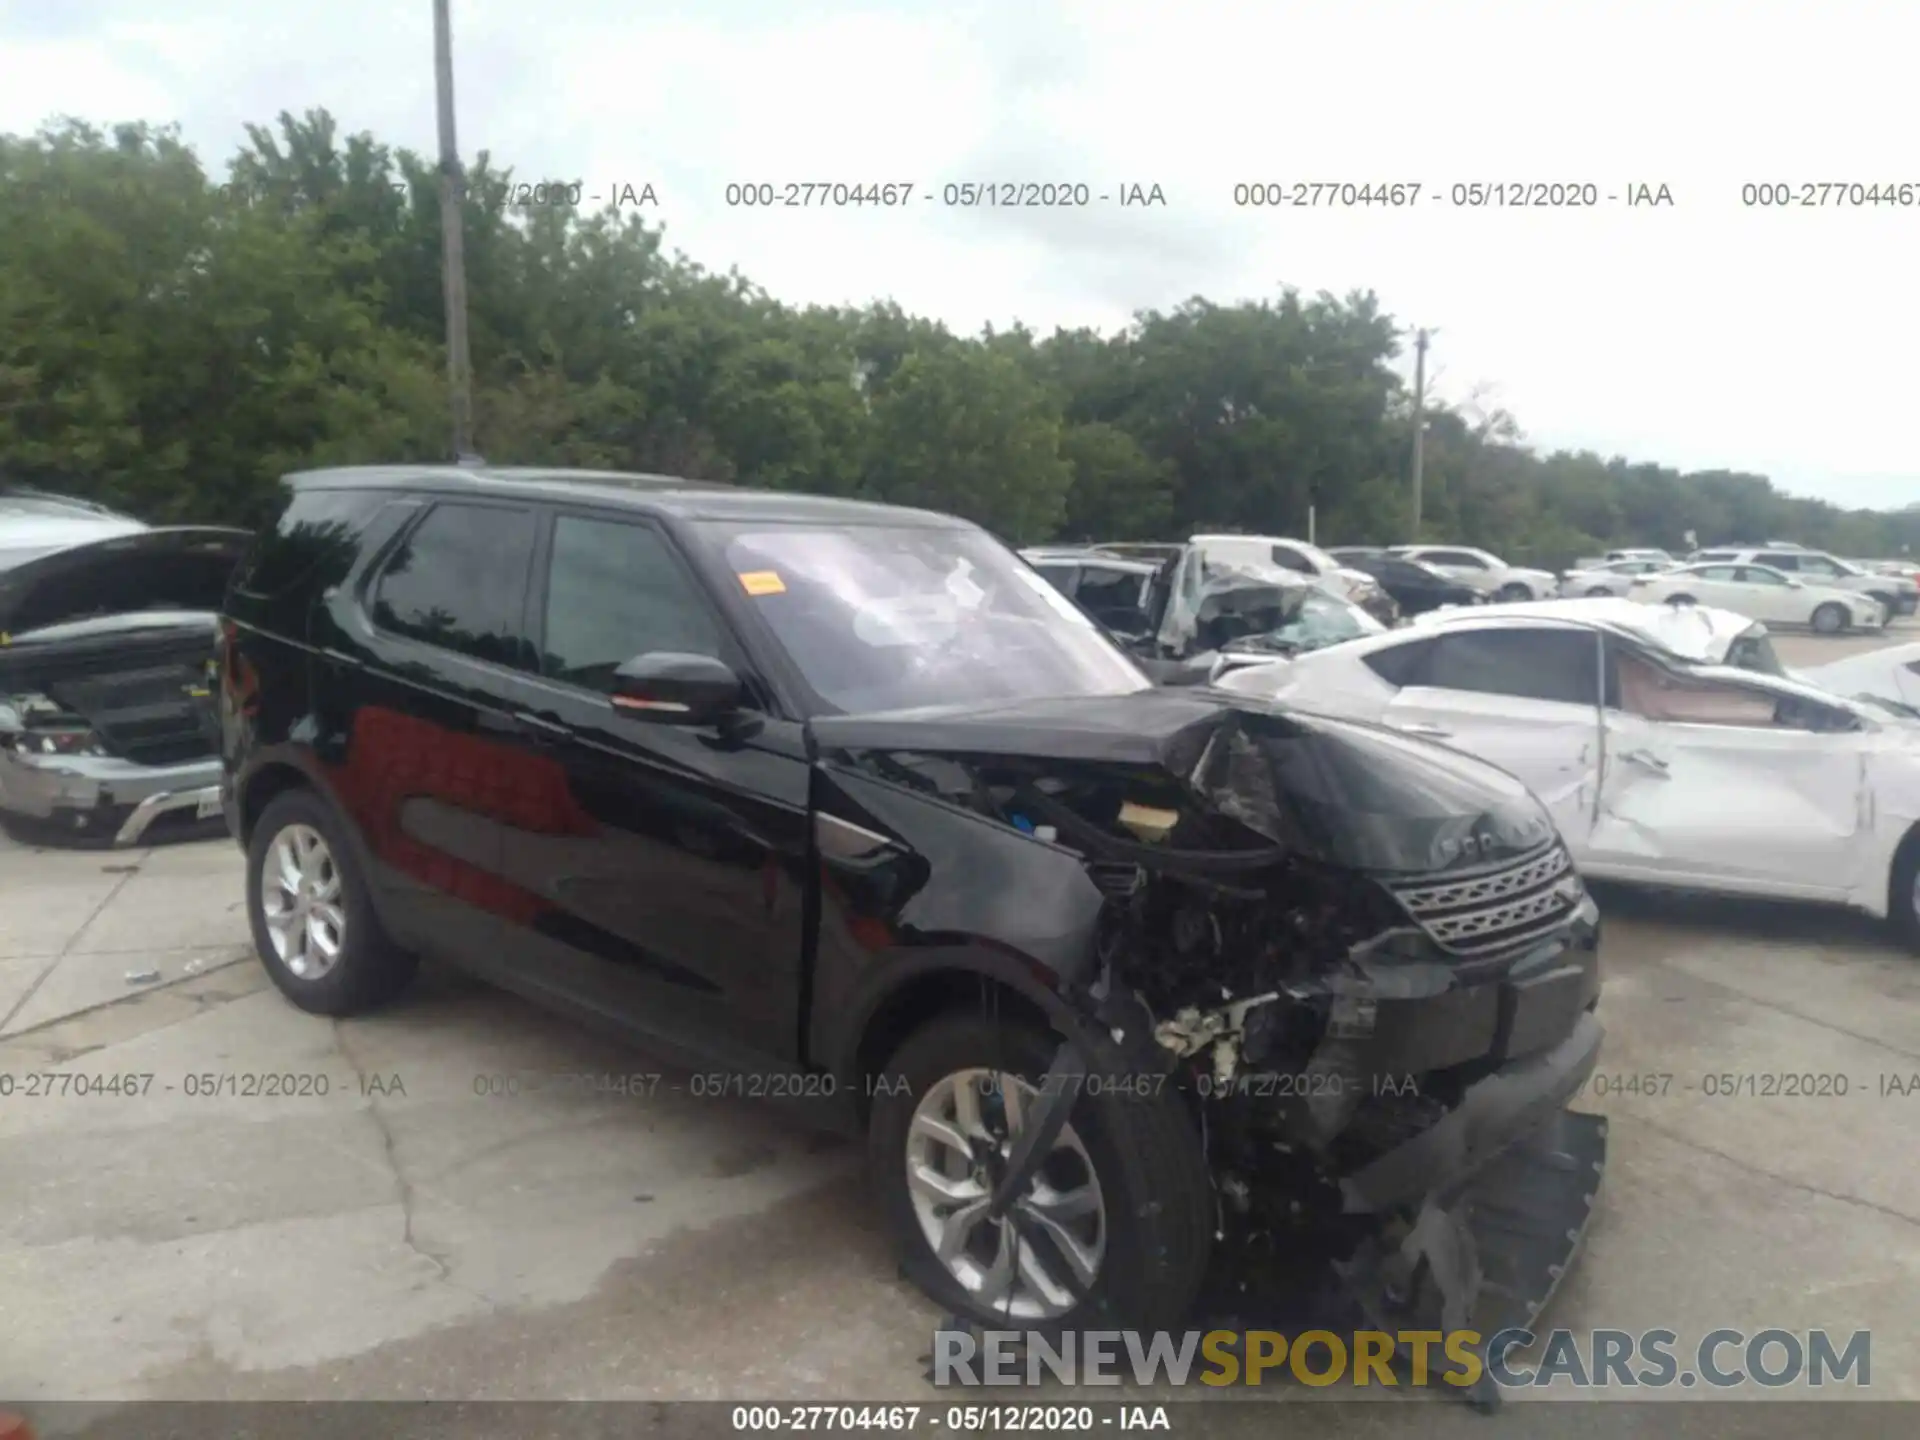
x=1491, y=911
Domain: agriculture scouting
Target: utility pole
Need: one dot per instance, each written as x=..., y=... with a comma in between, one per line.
x=453, y=257
x=1419, y=423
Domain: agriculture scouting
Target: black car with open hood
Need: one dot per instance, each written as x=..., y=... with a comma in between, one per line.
x=107, y=633
x=1132, y=989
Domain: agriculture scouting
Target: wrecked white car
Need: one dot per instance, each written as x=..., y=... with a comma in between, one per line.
x=1189, y=615
x=1656, y=769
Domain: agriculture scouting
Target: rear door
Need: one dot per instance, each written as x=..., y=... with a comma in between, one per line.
x=412, y=720
x=1704, y=785
x=664, y=867
x=1526, y=698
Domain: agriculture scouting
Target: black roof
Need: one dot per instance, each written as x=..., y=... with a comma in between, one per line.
x=670, y=494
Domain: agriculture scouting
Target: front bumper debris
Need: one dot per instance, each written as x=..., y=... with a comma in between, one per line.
x=1515, y=1100
x=100, y=797
x=1489, y=1254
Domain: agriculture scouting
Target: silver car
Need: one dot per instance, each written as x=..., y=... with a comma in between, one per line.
x=1613, y=577
x=107, y=639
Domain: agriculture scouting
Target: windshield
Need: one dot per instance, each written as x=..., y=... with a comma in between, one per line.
x=882, y=618
x=1319, y=621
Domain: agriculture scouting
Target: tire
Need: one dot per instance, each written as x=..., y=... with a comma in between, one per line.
x=367, y=968
x=1143, y=1150
x=1903, y=905
x=1830, y=618
x=1599, y=592
x=1512, y=594
x=1679, y=600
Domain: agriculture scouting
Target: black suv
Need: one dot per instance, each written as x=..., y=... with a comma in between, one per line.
x=1120, y=982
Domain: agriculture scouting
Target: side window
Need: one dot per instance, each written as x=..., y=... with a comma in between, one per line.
x=1401, y=665
x=459, y=581
x=1706, y=555
x=1653, y=693
x=616, y=590
x=1813, y=565
x=1532, y=664
x=1111, y=596
x=1288, y=558
x=1463, y=559
x=1788, y=563
x=1718, y=572
x=1058, y=576
x=1754, y=575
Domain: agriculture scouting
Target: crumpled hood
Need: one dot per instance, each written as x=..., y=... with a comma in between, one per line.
x=177, y=568
x=1340, y=791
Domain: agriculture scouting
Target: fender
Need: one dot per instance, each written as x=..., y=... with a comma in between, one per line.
x=835, y=1038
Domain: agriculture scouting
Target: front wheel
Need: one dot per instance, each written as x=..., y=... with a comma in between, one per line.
x=1115, y=1227
x=1829, y=619
x=1680, y=601
x=1512, y=594
x=1598, y=592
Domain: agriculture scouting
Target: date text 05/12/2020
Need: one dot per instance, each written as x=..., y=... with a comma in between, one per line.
x=961, y=195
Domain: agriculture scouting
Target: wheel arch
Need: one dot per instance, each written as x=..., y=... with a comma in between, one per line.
x=284, y=770
x=914, y=989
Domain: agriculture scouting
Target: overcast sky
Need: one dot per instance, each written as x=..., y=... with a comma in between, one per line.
x=1701, y=334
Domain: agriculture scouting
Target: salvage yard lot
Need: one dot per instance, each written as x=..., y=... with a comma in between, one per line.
x=399, y=1230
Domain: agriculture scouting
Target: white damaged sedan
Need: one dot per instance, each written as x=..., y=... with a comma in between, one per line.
x=1658, y=768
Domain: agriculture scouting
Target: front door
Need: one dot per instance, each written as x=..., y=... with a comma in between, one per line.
x=1703, y=785
x=669, y=867
x=1526, y=698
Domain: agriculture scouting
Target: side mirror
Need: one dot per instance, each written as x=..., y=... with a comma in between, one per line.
x=676, y=689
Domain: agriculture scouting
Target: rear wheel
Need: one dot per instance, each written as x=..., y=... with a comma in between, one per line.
x=1903, y=895
x=1598, y=592
x=313, y=922
x=1678, y=601
x=1114, y=1229
x=1513, y=593
x=1830, y=618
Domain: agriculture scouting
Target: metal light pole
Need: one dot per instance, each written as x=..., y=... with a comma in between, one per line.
x=453, y=258
x=1419, y=423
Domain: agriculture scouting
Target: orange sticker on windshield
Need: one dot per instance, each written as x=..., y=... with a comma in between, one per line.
x=762, y=582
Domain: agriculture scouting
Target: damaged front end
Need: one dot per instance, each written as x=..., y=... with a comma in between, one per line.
x=1367, y=962
x=107, y=718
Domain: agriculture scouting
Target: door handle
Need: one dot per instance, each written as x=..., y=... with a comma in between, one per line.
x=1646, y=761
x=1431, y=731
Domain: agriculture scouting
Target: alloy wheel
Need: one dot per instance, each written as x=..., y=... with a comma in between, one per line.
x=958, y=1143
x=301, y=902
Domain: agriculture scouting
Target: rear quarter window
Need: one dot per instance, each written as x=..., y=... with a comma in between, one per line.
x=1401, y=665
x=319, y=531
